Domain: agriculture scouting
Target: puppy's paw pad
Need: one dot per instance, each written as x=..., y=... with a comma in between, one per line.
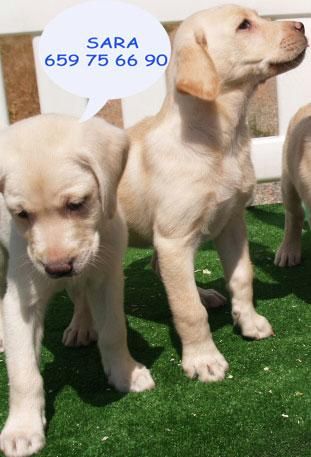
x=207, y=366
x=21, y=443
x=210, y=298
x=75, y=336
x=141, y=379
x=256, y=327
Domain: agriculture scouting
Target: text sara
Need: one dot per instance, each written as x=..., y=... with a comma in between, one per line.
x=111, y=43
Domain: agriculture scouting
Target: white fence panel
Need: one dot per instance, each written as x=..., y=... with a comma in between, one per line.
x=266, y=156
x=29, y=16
x=52, y=98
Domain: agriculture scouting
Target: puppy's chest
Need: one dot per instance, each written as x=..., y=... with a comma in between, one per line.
x=230, y=191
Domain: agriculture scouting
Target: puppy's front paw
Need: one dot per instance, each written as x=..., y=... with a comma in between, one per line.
x=22, y=437
x=204, y=362
x=141, y=379
x=131, y=377
x=79, y=333
x=288, y=255
x=253, y=325
x=210, y=298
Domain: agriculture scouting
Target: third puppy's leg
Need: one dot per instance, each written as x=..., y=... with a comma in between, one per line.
x=200, y=356
x=289, y=253
x=232, y=246
x=81, y=330
x=209, y=297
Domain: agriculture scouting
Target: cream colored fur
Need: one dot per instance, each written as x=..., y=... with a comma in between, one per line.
x=296, y=185
x=49, y=163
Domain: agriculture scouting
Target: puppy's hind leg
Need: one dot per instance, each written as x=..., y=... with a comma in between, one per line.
x=289, y=253
x=106, y=300
x=233, y=251
x=210, y=298
x=81, y=330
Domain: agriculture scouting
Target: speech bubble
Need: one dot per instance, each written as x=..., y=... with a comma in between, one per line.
x=104, y=49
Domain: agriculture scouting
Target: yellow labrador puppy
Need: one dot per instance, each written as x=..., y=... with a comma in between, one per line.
x=296, y=185
x=189, y=173
x=61, y=228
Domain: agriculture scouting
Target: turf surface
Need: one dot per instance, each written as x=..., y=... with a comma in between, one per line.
x=263, y=407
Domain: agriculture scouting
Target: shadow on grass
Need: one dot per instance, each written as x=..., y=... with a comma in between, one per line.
x=81, y=368
x=275, y=219
x=285, y=281
x=269, y=218
x=145, y=295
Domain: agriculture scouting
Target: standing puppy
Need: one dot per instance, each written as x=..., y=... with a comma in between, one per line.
x=189, y=173
x=296, y=185
x=61, y=229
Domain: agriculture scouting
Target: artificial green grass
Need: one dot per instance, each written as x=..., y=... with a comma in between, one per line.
x=263, y=407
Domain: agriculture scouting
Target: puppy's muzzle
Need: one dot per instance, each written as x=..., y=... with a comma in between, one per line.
x=59, y=269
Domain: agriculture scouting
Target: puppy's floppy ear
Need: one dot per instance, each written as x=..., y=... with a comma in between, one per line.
x=196, y=73
x=106, y=158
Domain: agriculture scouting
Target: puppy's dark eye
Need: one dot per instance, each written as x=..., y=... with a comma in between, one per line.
x=246, y=24
x=75, y=206
x=23, y=214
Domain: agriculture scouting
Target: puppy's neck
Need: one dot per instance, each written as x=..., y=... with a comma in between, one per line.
x=219, y=124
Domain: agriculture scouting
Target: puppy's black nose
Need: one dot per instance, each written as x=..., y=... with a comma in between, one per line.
x=299, y=27
x=59, y=269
